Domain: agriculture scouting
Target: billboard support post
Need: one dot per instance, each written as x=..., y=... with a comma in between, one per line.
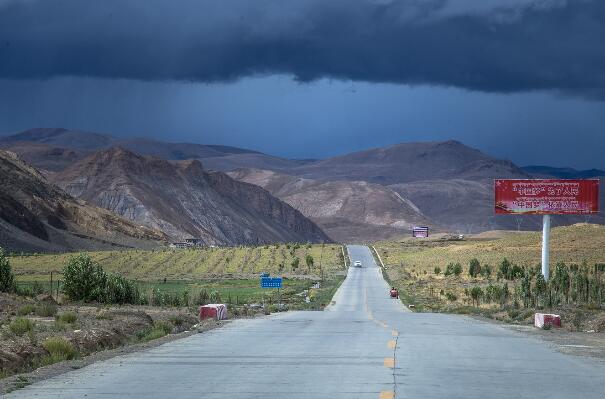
x=545, y=246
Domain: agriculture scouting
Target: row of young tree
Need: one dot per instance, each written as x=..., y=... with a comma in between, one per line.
x=569, y=284
x=506, y=270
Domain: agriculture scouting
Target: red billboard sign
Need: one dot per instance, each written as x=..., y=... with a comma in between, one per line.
x=546, y=196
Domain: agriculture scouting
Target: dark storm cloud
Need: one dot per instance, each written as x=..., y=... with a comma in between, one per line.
x=486, y=45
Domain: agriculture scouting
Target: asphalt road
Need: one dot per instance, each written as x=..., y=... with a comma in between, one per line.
x=365, y=345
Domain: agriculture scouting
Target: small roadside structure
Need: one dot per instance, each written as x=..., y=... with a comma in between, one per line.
x=217, y=311
x=547, y=320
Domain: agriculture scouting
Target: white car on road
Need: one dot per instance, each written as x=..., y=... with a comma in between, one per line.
x=357, y=263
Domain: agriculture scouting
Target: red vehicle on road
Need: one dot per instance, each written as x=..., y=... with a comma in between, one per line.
x=394, y=293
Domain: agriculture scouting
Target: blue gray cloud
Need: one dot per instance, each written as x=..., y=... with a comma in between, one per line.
x=486, y=45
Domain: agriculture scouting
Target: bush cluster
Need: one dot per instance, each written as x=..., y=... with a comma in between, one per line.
x=46, y=309
x=158, y=330
x=453, y=268
x=21, y=325
x=84, y=280
x=67, y=317
x=59, y=349
x=510, y=271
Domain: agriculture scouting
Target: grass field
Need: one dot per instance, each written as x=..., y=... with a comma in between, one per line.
x=410, y=263
x=195, y=264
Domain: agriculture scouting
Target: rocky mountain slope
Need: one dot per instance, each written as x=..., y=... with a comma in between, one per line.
x=348, y=211
x=35, y=215
x=184, y=200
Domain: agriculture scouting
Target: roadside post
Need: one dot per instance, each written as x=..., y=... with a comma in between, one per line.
x=546, y=197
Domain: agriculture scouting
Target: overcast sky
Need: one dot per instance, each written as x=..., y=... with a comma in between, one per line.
x=519, y=79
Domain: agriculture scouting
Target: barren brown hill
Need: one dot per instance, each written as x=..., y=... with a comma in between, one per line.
x=184, y=200
x=348, y=211
x=35, y=215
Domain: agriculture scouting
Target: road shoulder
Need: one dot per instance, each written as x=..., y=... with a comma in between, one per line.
x=576, y=343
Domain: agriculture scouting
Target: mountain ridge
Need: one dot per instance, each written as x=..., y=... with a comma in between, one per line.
x=184, y=200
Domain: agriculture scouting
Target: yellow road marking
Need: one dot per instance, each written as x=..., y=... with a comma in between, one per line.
x=386, y=395
x=395, y=333
x=389, y=362
x=391, y=344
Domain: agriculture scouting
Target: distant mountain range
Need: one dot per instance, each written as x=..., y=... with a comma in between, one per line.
x=362, y=196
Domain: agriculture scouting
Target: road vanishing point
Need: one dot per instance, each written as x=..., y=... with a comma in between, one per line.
x=365, y=345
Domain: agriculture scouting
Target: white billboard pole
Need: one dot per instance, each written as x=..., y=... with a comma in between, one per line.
x=545, y=245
